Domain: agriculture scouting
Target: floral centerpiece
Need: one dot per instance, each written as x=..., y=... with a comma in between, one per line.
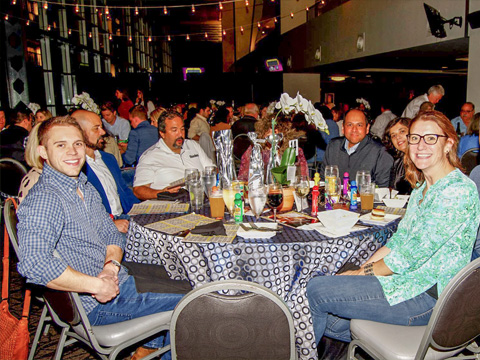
x=34, y=107
x=364, y=103
x=290, y=106
x=86, y=102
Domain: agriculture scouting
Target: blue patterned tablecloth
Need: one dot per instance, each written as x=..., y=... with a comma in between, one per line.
x=284, y=263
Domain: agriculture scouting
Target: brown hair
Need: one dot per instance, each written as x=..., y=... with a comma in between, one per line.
x=414, y=176
x=155, y=115
x=167, y=115
x=46, y=113
x=108, y=105
x=45, y=126
x=387, y=139
x=139, y=111
x=474, y=125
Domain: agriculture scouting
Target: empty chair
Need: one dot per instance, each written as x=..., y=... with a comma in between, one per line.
x=12, y=173
x=453, y=326
x=252, y=324
x=470, y=159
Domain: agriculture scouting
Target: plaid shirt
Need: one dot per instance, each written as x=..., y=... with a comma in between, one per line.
x=53, y=217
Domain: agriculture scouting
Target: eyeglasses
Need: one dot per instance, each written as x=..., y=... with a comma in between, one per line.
x=429, y=139
x=466, y=111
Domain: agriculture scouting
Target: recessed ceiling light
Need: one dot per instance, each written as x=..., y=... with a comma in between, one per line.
x=338, y=78
x=444, y=67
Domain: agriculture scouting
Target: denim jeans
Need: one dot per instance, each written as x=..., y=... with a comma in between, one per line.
x=130, y=304
x=334, y=300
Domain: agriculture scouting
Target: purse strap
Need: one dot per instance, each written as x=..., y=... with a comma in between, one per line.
x=6, y=268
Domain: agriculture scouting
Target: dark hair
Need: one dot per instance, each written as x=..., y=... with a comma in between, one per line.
x=108, y=105
x=387, y=139
x=124, y=92
x=167, y=115
x=47, y=125
x=414, y=176
x=221, y=115
x=325, y=111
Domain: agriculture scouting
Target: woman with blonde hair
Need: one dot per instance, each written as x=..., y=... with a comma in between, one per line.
x=41, y=115
x=401, y=282
x=155, y=115
x=33, y=159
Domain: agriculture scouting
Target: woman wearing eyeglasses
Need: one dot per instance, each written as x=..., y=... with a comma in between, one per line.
x=401, y=282
x=395, y=140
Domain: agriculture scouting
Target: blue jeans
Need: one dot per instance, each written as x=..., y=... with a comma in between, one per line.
x=334, y=300
x=130, y=304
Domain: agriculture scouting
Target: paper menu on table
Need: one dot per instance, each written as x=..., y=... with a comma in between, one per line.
x=158, y=207
x=231, y=230
x=179, y=224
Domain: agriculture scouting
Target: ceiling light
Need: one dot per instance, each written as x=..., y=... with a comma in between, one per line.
x=338, y=78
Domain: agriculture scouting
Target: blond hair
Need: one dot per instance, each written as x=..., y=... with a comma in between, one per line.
x=32, y=157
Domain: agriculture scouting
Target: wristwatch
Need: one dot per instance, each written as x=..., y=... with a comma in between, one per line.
x=114, y=262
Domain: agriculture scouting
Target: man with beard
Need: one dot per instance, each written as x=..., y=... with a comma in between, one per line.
x=167, y=160
x=103, y=172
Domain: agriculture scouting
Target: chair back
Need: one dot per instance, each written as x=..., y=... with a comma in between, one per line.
x=240, y=145
x=454, y=321
x=11, y=220
x=62, y=306
x=470, y=159
x=12, y=172
x=255, y=324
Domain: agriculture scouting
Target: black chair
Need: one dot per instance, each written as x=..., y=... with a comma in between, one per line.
x=240, y=145
x=470, y=159
x=12, y=172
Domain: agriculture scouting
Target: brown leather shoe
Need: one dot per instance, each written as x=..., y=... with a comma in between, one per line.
x=141, y=352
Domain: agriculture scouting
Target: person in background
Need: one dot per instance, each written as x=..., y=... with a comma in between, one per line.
x=13, y=139
x=142, y=136
x=114, y=124
x=395, y=140
x=125, y=103
x=247, y=122
x=401, y=282
x=155, y=114
x=42, y=115
x=146, y=103
x=337, y=117
x=325, y=138
x=434, y=95
x=34, y=160
x=471, y=138
x=426, y=106
x=382, y=120
x=190, y=114
x=462, y=122
x=199, y=123
x=221, y=120
x=3, y=120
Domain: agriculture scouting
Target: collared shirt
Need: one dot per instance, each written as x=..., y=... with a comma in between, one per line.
x=458, y=121
x=350, y=150
x=159, y=165
x=414, y=106
x=198, y=126
x=54, y=217
x=381, y=122
x=434, y=240
x=120, y=128
x=107, y=181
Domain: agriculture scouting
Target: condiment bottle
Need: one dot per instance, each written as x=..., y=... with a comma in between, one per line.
x=353, y=196
x=238, y=208
x=315, y=194
x=346, y=180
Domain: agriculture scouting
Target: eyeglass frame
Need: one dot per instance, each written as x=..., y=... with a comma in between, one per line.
x=422, y=137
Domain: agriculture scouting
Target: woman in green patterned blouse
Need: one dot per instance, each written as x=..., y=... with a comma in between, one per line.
x=433, y=242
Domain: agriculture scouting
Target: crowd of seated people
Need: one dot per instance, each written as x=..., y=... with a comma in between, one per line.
x=151, y=146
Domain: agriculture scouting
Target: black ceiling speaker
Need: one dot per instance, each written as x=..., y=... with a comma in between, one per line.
x=474, y=19
x=436, y=21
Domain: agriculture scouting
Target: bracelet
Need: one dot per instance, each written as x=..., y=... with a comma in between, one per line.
x=368, y=270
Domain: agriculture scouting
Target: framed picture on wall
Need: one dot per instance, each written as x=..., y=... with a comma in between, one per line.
x=329, y=98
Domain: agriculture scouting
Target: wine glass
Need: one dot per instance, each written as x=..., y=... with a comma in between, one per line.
x=257, y=196
x=302, y=188
x=229, y=192
x=275, y=198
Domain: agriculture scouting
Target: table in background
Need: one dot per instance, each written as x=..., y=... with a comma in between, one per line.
x=284, y=263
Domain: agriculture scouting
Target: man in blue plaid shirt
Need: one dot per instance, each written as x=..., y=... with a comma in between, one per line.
x=64, y=212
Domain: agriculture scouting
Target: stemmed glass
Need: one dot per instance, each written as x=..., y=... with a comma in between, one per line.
x=257, y=196
x=229, y=192
x=302, y=188
x=275, y=198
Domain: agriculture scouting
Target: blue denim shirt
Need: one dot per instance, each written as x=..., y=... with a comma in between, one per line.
x=53, y=217
x=139, y=140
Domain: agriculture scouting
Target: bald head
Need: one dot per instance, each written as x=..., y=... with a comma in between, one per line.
x=92, y=128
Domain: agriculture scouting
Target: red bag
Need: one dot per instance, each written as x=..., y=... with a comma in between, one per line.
x=14, y=336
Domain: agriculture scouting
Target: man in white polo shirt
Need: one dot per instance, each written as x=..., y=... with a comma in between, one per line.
x=166, y=161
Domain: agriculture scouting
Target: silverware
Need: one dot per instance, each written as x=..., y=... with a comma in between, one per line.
x=263, y=229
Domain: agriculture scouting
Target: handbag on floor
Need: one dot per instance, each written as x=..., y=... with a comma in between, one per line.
x=14, y=336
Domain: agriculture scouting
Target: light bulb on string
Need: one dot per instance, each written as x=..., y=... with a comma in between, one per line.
x=165, y=11
x=90, y=35
x=107, y=12
x=14, y=2
x=291, y=15
x=307, y=9
x=258, y=25
x=110, y=37
x=130, y=38
x=136, y=10
x=45, y=5
x=96, y=10
x=169, y=38
x=49, y=28
x=206, y=35
x=323, y=2
x=77, y=9
x=275, y=20
x=6, y=17
x=220, y=6
x=188, y=37
x=27, y=23
x=224, y=32
x=241, y=30
x=193, y=9
x=247, y=3
x=69, y=31
x=149, y=39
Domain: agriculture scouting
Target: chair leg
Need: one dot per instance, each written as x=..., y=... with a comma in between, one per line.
x=61, y=344
x=38, y=332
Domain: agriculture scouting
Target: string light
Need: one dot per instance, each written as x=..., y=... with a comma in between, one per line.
x=307, y=9
x=169, y=38
x=77, y=9
x=224, y=32
x=276, y=20
x=28, y=23
x=206, y=35
x=69, y=31
x=291, y=15
x=49, y=28
x=45, y=5
x=110, y=37
x=130, y=38
x=14, y=2
x=107, y=12
x=188, y=37
x=193, y=9
x=149, y=39
x=241, y=29
x=258, y=25
x=136, y=10
x=247, y=3
x=323, y=2
x=6, y=17
x=96, y=10
x=90, y=35
x=165, y=11
x=220, y=6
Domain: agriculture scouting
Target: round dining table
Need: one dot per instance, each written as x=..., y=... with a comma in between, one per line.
x=284, y=263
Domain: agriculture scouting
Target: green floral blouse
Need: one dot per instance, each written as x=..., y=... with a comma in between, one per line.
x=435, y=238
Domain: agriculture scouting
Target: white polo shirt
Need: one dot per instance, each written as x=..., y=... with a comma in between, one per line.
x=160, y=166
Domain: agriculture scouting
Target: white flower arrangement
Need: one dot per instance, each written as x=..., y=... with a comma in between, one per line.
x=34, y=107
x=299, y=104
x=215, y=104
x=364, y=102
x=271, y=108
x=86, y=102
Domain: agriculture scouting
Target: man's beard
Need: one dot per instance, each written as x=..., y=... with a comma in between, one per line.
x=100, y=145
x=175, y=142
